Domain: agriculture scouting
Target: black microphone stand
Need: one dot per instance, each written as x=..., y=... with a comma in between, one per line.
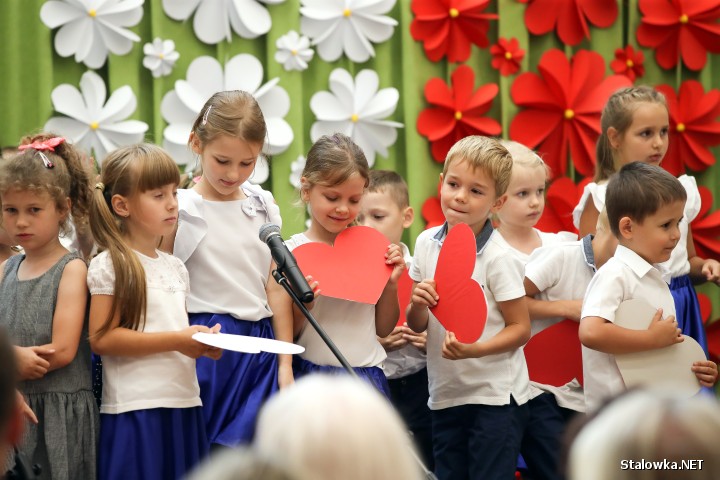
x=280, y=278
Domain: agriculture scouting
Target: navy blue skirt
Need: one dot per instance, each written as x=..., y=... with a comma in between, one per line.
x=234, y=388
x=687, y=310
x=373, y=375
x=159, y=443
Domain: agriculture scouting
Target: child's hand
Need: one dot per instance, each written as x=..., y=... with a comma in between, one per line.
x=417, y=340
x=665, y=331
x=711, y=270
x=425, y=294
x=394, y=341
x=31, y=364
x=190, y=347
x=706, y=372
x=315, y=285
x=394, y=256
x=25, y=408
x=454, y=350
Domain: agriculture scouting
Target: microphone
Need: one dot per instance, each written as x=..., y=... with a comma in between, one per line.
x=286, y=263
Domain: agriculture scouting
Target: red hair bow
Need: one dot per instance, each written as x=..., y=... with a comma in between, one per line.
x=48, y=144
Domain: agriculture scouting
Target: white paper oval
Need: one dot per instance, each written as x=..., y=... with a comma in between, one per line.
x=243, y=343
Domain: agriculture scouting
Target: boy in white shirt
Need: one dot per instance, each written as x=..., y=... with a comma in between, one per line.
x=478, y=391
x=644, y=207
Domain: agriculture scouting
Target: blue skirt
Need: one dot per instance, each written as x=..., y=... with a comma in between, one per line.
x=234, y=388
x=373, y=375
x=687, y=310
x=154, y=444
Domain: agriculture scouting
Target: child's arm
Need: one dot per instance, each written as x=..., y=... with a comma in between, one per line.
x=423, y=297
x=282, y=323
x=549, y=308
x=605, y=336
x=707, y=270
x=132, y=343
x=387, y=309
x=588, y=218
x=706, y=372
x=515, y=334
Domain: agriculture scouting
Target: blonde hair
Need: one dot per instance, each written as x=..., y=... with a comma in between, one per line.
x=602, y=222
x=67, y=178
x=335, y=427
x=333, y=159
x=484, y=153
x=127, y=171
x=648, y=425
x=392, y=183
x=523, y=156
x=618, y=114
x=239, y=464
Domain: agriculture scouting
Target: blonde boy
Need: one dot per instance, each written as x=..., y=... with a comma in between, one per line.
x=479, y=391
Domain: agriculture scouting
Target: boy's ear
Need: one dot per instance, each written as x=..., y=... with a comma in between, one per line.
x=408, y=217
x=499, y=202
x=194, y=142
x=613, y=137
x=120, y=205
x=625, y=226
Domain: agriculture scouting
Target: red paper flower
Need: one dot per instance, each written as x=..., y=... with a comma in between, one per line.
x=628, y=62
x=562, y=108
x=432, y=211
x=694, y=126
x=448, y=27
x=706, y=227
x=458, y=111
x=675, y=28
x=560, y=200
x=705, y=307
x=506, y=56
x=569, y=17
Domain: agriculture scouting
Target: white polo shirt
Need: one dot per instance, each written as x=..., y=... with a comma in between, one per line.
x=489, y=380
x=546, y=239
x=561, y=272
x=625, y=276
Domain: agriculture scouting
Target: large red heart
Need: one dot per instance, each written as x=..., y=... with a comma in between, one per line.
x=554, y=356
x=462, y=308
x=353, y=269
x=405, y=284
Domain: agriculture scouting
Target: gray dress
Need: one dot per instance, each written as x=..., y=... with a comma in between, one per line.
x=64, y=442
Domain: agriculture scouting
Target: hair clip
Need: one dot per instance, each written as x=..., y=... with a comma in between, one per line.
x=46, y=160
x=40, y=145
x=100, y=186
x=205, y=117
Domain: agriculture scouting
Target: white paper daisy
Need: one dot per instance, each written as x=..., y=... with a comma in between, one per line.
x=160, y=57
x=294, y=51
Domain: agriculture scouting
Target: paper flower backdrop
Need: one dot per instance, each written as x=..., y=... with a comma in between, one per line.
x=506, y=56
x=205, y=77
x=694, y=126
x=214, y=19
x=449, y=27
x=294, y=51
x=456, y=111
x=90, y=29
x=569, y=17
x=431, y=210
x=348, y=26
x=562, y=106
x=358, y=109
x=160, y=57
x=629, y=62
x=560, y=200
x=92, y=124
x=296, y=169
x=680, y=28
x=706, y=227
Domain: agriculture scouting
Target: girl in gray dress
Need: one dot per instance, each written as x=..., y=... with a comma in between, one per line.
x=43, y=297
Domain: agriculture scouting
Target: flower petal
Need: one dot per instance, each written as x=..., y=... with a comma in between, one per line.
x=244, y=72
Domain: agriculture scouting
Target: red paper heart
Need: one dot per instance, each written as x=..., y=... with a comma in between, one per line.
x=554, y=356
x=353, y=269
x=405, y=284
x=462, y=308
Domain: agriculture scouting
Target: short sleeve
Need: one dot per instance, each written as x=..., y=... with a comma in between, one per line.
x=417, y=268
x=604, y=294
x=504, y=277
x=181, y=271
x=694, y=202
x=594, y=191
x=544, y=267
x=101, y=275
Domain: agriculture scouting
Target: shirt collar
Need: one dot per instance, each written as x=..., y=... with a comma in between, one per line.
x=638, y=265
x=588, y=251
x=481, y=239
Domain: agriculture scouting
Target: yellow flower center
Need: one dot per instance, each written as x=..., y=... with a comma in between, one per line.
x=354, y=118
x=161, y=56
x=630, y=63
x=347, y=12
x=294, y=52
x=680, y=127
x=569, y=114
x=94, y=125
x=684, y=18
x=92, y=13
x=508, y=55
x=454, y=13
x=458, y=115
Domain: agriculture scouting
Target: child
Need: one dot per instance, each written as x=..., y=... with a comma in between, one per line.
x=558, y=276
x=152, y=425
x=230, y=267
x=386, y=207
x=635, y=127
x=644, y=208
x=42, y=303
x=478, y=391
x=332, y=184
x=525, y=204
